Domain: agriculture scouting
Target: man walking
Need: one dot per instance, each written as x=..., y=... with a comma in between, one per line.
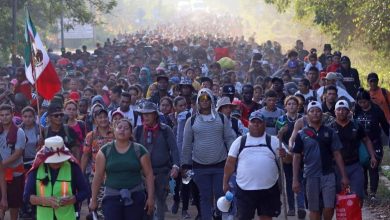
x=257, y=171
x=319, y=146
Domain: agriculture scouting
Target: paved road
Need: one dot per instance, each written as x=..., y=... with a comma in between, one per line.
x=169, y=216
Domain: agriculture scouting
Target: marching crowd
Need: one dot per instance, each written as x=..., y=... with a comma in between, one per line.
x=147, y=110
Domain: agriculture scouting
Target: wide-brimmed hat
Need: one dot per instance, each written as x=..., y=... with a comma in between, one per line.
x=146, y=106
x=55, y=146
x=223, y=101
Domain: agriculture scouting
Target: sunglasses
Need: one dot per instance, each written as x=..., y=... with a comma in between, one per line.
x=204, y=98
x=58, y=115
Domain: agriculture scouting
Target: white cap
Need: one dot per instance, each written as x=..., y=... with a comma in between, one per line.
x=342, y=104
x=314, y=104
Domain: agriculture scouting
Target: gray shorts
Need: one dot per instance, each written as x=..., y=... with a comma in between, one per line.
x=324, y=187
x=356, y=179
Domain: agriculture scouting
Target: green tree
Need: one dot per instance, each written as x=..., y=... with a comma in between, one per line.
x=45, y=14
x=347, y=21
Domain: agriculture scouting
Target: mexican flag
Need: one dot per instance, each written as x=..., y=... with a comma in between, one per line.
x=39, y=69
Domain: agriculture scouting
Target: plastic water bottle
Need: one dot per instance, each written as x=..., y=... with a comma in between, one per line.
x=187, y=177
x=172, y=185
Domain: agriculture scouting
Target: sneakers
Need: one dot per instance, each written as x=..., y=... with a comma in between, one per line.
x=301, y=214
x=291, y=212
x=185, y=215
x=175, y=207
x=373, y=197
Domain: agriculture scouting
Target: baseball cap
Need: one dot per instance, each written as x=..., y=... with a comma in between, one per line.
x=331, y=76
x=292, y=64
x=337, y=53
x=342, y=104
x=256, y=115
x=228, y=89
x=314, y=104
x=372, y=76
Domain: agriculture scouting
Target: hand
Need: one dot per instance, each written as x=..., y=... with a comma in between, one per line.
x=70, y=200
x=373, y=162
x=51, y=201
x=184, y=172
x=174, y=172
x=282, y=152
x=226, y=187
x=149, y=206
x=296, y=186
x=3, y=204
x=93, y=205
x=344, y=182
x=281, y=132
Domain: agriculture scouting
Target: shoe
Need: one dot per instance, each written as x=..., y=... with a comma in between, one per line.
x=301, y=214
x=175, y=207
x=291, y=212
x=185, y=215
x=373, y=197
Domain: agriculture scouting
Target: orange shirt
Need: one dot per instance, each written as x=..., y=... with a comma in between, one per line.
x=94, y=141
x=378, y=98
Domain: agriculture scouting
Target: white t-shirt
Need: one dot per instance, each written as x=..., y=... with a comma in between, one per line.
x=309, y=65
x=256, y=167
x=130, y=115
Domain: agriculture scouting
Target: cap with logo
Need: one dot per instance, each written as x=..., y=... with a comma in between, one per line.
x=342, y=104
x=314, y=104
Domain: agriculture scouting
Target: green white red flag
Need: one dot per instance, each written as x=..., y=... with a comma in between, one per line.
x=39, y=69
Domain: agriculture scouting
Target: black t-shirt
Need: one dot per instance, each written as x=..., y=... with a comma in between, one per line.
x=70, y=140
x=350, y=135
x=325, y=109
x=372, y=121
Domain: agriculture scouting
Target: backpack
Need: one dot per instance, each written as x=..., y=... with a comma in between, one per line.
x=235, y=126
x=66, y=130
x=268, y=145
x=137, y=149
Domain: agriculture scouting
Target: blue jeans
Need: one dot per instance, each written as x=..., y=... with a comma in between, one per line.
x=209, y=182
x=300, y=196
x=113, y=207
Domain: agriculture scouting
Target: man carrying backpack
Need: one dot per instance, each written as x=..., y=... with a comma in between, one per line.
x=159, y=140
x=256, y=155
x=12, y=144
x=207, y=136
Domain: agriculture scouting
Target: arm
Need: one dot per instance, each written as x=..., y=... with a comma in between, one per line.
x=229, y=169
x=82, y=189
x=297, y=126
x=296, y=169
x=187, y=144
x=97, y=181
x=84, y=161
x=340, y=164
x=3, y=185
x=19, y=148
x=229, y=134
x=149, y=179
x=370, y=149
x=383, y=121
x=174, y=153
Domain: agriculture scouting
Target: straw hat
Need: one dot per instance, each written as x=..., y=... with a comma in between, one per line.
x=56, y=144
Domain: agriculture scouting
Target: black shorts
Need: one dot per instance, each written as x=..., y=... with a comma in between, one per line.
x=266, y=202
x=15, y=192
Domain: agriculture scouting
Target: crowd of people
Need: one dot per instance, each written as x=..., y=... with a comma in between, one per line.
x=146, y=111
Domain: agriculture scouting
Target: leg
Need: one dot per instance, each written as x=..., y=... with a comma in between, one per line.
x=112, y=207
x=290, y=194
x=245, y=204
x=136, y=210
x=14, y=213
x=217, y=188
x=313, y=197
x=263, y=217
x=313, y=215
x=328, y=213
x=194, y=190
x=178, y=193
x=203, y=180
x=185, y=194
x=160, y=184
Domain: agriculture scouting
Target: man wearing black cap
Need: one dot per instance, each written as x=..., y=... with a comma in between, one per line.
x=229, y=91
x=57, y=127
x=162, y=89
x=327, y=52
x=351, y=79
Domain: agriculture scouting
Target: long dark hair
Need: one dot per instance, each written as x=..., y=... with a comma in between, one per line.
x=362, y=94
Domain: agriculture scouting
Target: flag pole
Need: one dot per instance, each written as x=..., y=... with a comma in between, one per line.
x=32, y=63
